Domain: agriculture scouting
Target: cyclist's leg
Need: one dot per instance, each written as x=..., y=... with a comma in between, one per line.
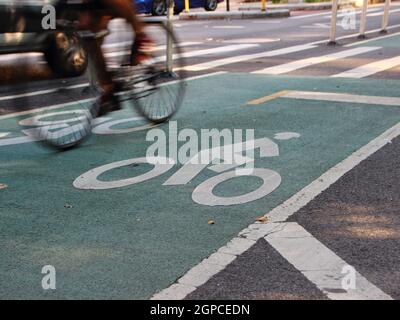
x=107, y=102
x=99, y=24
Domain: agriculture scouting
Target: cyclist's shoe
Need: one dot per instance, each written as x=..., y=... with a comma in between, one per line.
x=141, y=49
x=108, y=102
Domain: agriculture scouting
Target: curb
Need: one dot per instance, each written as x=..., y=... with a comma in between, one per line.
x=249, y=14
x=296, y=7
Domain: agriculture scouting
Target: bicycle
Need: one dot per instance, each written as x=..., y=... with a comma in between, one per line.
x=152, y=89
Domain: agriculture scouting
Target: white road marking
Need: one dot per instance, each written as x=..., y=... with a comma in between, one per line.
x=282, y=51
x=376, y=14
x=319, y=264
x=246, y=57
x=228, y=27
x=158, y=48
x=205, y=52
x=202, y=272
x=231, y=60
x=342, y=97
x=318, y=26
x=252, y=40
x=35, y=110
x=303, y=63
x=194, y=53
x=370, y=68
x=267, y=22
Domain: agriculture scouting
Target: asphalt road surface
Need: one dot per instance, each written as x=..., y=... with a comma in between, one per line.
x=328, y=120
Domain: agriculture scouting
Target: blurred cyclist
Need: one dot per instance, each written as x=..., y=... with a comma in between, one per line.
x=97, y=20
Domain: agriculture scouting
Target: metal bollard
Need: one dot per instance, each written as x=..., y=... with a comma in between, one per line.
x=332, y=37
x=363, y=20
x=187, y=6
x=385, y=18
x=263, y=5
x=170, y=14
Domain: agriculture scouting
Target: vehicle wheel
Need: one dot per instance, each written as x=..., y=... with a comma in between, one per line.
x=211, y=5
x=159, y=8
x=65, y=54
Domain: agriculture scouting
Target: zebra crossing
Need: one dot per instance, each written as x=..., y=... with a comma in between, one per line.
x=378, y=56
x=361, y=61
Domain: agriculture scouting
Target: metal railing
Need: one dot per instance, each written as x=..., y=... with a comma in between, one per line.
x=363, y=19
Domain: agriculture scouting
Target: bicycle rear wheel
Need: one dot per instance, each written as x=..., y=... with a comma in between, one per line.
x=153, y=89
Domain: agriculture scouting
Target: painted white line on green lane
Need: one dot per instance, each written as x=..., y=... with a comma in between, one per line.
x=341, y=97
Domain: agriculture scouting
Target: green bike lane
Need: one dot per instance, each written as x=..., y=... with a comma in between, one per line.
x=131, y=242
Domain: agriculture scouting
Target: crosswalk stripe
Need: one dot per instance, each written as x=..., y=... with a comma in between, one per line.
x=189, y=54
x=303, y=63
x=204, y=52
x=319, y=264
x=113, y=45
x=246, y=57
x=370, y=68
x=377, y=14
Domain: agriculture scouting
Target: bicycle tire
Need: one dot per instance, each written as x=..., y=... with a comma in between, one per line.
x=66, y=124
x=153, y=91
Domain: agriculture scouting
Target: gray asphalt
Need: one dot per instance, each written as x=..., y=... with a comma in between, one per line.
x=260, y=273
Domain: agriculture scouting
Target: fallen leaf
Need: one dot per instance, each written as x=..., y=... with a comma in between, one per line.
x=211, y=222
x=262, y=219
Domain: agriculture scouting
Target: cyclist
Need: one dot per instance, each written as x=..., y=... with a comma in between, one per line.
x=97, y=20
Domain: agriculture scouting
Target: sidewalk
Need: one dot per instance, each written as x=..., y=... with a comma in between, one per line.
x=243, y=10
x=235, y=12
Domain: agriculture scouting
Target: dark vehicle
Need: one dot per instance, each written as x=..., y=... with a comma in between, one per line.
x=159, y=7
x=21, y=31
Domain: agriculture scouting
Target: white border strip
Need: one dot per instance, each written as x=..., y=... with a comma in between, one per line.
x=218, y=261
